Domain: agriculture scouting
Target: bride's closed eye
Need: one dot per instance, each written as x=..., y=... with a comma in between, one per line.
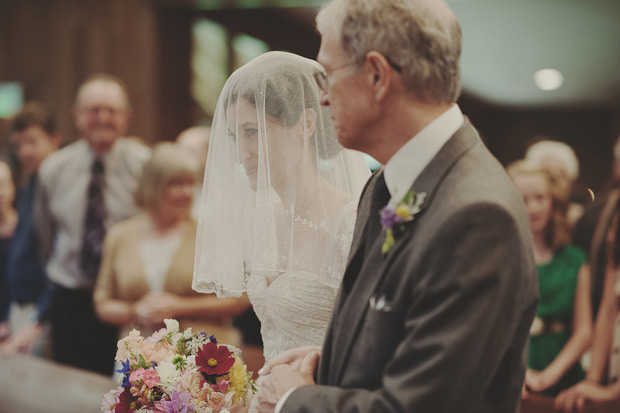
x=250, y=132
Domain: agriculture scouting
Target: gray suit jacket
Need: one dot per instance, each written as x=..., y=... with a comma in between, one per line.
x=460, y=287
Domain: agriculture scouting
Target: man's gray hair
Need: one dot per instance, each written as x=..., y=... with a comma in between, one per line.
x=423, y=37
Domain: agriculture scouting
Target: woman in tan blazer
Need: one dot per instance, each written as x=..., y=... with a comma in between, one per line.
x=147, y=265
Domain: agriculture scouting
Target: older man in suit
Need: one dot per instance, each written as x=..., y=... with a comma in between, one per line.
x=436, y=303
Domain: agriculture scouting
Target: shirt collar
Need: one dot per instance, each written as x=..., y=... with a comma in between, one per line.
x=409, y=161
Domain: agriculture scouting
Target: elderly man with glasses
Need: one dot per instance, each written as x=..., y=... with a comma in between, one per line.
x=435, y=306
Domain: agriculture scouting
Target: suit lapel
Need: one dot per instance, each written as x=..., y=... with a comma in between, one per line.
x=356, y=258
x=346, y=323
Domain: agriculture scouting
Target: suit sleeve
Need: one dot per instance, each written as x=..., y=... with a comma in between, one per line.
x=470, y=301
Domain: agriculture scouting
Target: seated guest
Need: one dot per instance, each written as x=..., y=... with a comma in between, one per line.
x=35, y=135
x=147, y=264
x=601, y=383
x=562, y=160
x=561, y=330
x=196, y=141
x=8, y=221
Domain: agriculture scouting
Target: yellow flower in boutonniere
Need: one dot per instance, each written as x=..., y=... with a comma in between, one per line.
x=395, y=219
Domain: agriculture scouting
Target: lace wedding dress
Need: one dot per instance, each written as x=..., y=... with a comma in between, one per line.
x=295, y=308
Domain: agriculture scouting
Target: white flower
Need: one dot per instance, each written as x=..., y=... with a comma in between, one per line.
x=191, y=361
x=172, y=325
x=168, y=372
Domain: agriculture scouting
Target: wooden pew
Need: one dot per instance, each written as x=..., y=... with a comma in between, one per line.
x=539, y=404
x=33, y=385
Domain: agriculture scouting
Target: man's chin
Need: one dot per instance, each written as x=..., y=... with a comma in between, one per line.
x=102, y=144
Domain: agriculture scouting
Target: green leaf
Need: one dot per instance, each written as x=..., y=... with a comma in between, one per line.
x=142, y=362
x=389, y=241
x=409, y=197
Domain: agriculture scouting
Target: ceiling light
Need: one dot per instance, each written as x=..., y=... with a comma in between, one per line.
x=548, y=79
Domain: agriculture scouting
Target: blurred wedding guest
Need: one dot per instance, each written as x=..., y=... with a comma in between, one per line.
x=147, y=269
x=597, y=216
x=196, y=141
x=560, y=158
x=85, y=188
x=8, y=221
x=36, y=136
x=562, y=327
x=601, y=383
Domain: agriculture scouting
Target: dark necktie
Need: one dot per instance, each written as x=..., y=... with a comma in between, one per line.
x=380, y=198
x=94, y=222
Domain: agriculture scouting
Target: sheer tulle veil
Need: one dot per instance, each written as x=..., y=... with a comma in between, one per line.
x=277, y=182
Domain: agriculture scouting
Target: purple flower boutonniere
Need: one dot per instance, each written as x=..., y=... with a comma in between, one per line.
x=395, y=219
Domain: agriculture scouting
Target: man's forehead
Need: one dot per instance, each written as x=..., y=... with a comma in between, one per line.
x=101, y=92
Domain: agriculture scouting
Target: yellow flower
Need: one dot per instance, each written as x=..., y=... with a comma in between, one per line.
x=238, y=380
x=403, y=211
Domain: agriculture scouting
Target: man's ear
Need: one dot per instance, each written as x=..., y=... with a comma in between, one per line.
x=56, y=140
x=380, y=74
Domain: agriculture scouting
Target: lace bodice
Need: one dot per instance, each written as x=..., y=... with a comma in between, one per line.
x=295, y=308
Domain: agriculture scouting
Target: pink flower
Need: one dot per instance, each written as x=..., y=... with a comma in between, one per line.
x=157, y=336
x=128, y=344
x=136, y=375
x=217, y=401
x=110, y=400
x=223, y=386
x=151, y=378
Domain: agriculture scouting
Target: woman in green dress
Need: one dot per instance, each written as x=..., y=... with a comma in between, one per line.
x=562, y=328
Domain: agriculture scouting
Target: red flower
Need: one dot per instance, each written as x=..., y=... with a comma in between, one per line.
x=214, y=359
x=126, y=403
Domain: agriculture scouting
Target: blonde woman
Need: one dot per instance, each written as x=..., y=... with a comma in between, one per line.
x=562, y=328
x=147, y=267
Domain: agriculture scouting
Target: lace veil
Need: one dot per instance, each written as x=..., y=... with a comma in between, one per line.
x=279, y=191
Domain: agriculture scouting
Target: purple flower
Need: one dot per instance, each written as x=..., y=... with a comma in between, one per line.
x=212, y=338
x=389, y=217
x=178, y=403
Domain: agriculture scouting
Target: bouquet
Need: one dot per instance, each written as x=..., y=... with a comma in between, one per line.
x=176, y=372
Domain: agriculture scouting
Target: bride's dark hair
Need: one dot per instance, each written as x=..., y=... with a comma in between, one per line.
x=277, y=85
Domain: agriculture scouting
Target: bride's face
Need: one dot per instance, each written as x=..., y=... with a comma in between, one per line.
x=262, y=145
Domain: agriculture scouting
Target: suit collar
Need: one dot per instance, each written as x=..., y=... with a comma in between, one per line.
x=409, y=161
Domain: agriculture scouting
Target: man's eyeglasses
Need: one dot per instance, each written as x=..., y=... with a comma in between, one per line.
x=321, y=77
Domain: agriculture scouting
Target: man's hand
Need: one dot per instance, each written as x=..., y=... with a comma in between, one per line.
x=291, y=357
x=283, y=377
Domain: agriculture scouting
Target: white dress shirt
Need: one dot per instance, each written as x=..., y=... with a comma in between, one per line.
x=409, y=161
x=61, y=202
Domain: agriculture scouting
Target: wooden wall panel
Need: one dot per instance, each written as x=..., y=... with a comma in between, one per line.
x=52, y=45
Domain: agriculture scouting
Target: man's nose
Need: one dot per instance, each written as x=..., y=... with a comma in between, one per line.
x=105, y=114
x=323, y=98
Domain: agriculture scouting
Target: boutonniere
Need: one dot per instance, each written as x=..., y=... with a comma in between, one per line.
x=394, y=220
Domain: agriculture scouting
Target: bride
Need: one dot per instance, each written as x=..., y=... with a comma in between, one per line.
x=279, y=201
